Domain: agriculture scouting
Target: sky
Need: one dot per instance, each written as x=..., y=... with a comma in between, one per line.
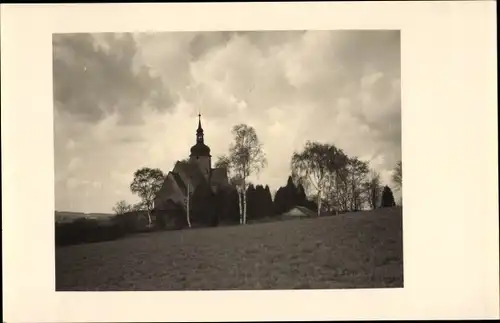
x=126, y=101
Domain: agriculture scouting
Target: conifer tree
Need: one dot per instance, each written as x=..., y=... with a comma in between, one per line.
x=387, y=197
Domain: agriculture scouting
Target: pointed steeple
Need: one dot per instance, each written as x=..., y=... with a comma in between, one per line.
x=200, y=149
x=199, y=131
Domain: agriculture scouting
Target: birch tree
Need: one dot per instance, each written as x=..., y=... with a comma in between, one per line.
x=311, y=166
x=146, y=183
x=188, y=204
x=246, y=157
x=373, y=189
x=316, y=165
x=240, y=185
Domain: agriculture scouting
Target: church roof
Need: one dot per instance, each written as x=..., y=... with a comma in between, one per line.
x=300, y=211
x=189, y=172
x=179, y=181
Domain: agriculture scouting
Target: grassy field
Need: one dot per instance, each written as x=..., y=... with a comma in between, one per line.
x=353, y=250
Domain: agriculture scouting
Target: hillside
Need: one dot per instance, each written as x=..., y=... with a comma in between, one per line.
x=353, y=250
x=65, y=217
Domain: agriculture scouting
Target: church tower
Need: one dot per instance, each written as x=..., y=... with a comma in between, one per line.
x=200, y=153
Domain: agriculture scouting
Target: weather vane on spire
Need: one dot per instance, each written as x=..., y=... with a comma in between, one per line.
x=199, y=116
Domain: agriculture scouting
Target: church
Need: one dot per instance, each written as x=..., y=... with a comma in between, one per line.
x=186, y=176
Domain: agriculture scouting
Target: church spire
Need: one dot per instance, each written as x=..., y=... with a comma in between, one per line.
x=199, y=131
x=200, y=149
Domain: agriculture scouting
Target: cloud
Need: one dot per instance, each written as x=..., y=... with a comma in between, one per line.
x=341, y=87
x=97, y=76
x=202, y=43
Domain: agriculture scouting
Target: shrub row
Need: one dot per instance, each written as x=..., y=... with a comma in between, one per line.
x=85, y=231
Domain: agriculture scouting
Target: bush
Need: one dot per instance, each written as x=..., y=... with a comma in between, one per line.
x=202, y=206
x=172, y=219
x=134, y=221
x=228, y=206
x=85, y=231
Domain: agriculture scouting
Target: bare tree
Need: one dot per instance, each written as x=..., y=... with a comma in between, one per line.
x=147, y=182
x=373, y=189
x=397, y=178
x=357, y=171
x=246, y=157
x=331, y=197
x=122, y=207
x=337, y=188
x=397, y=175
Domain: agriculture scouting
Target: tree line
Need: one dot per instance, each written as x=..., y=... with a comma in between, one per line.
x=338, y=182
x=323, y=178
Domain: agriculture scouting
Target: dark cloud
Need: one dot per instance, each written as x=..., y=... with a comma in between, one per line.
x=202, y=43
x=376, y=49
x=267, y=40
x=95, y=77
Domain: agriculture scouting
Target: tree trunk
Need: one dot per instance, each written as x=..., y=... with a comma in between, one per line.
x=319, y=202
x=244, y=208
x=356, y=203
x=374, y=198
x=244, y=199
x=353, y=197
x=149, y=218
x=336, y=194
x=187, y=207
x=240, y=204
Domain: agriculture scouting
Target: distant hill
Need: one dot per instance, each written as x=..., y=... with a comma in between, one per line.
x=66, y=217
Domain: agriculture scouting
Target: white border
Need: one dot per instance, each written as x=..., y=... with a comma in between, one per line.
x=449, y=152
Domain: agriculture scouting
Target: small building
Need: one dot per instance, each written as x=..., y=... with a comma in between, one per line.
x=300, y=212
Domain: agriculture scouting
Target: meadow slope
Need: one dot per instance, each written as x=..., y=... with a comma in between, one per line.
x=354, y=250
